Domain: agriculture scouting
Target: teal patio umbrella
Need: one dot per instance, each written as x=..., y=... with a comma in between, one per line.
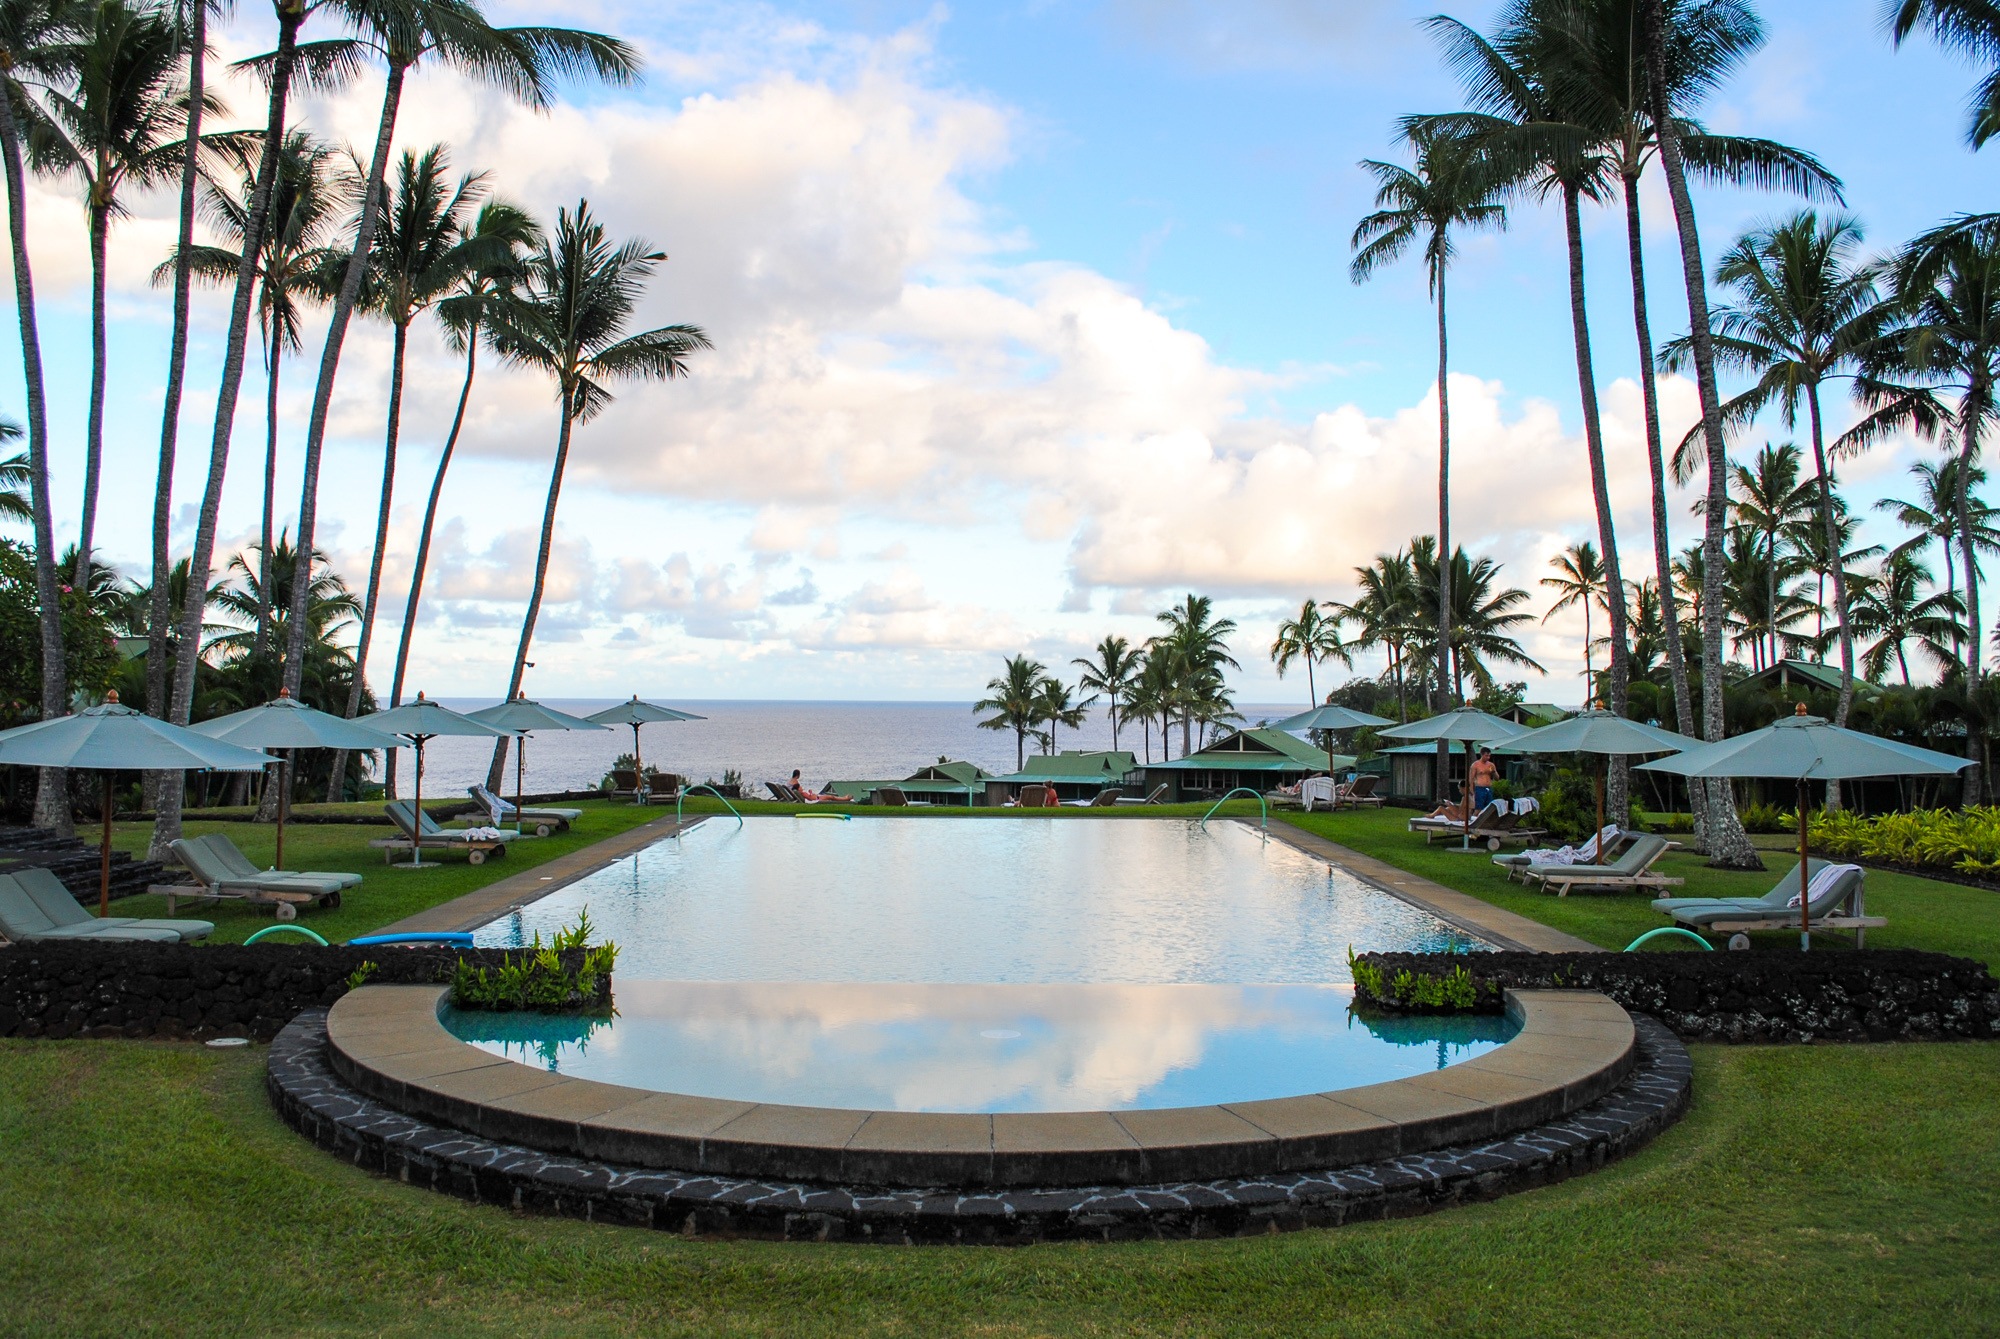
x=287, y=723
x=1462, y=725
x=1333, y=720
x=419, y=722
x=635, y=714
x=113, y=738
x=1804, y=748
x=520, y=718
x=1604, y=733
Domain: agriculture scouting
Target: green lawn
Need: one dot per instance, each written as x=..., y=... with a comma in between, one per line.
x=1830, y=1190
x=1922, y=913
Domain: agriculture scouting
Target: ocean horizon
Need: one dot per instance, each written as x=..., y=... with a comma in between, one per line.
x=766, y=739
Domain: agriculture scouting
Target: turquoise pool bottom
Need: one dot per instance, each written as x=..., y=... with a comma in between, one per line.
x=983, y=1048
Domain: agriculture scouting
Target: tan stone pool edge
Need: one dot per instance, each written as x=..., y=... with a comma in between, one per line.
x=387, y=1042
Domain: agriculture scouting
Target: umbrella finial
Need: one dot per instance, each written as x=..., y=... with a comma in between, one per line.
x=112, y=697
x=1800, y=710
x=520, y=695
x=284, y=693
x=420, y=695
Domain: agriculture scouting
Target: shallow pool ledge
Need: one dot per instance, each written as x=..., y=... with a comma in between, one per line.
x=1573, y=1048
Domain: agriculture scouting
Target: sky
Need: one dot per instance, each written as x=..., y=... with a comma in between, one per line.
x=1029, y=317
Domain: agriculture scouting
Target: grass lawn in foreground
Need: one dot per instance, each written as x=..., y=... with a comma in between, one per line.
x=147, y=1187
x=1922, y=913
x=387, y=892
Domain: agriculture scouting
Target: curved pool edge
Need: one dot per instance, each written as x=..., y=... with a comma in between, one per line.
x=387, y=1042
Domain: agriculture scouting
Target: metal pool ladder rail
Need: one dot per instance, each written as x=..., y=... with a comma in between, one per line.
x=1669, y=930
x=1258, y=796
x=701, y=785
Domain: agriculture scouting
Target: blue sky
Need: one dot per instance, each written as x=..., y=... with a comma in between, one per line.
x=1028, y=318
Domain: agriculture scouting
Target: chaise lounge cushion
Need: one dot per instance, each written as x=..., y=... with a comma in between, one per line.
x=23, y=921
x=232, y=860
x=46, y=891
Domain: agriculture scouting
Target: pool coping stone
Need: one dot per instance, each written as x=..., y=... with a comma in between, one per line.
x=388, y=1042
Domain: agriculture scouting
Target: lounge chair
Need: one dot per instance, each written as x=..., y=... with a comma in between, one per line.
x=1836, y=893
x=221, y=871
x=1154, y=796
x=782, y=793
x=1611, y=839
x=1322, y=790
x=892, y=796
x=1446, y=825
x=624, y=781
x=1363, y=792
x=420, y=831
x=663, y=787
x=1036, y=797
x=1632, y=869
x=1104, y=799
x=501, y=811
x=34, y=905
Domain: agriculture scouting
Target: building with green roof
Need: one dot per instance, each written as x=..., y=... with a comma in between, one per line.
x=942, y=782
x=1262, y=759
x=1076, y=774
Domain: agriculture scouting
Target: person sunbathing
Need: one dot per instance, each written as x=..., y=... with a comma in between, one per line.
x=1458, y=811
x=811, y=796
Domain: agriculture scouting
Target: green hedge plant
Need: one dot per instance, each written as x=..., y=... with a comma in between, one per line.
x=566, y=976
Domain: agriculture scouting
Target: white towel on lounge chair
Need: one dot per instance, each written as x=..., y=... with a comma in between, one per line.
x=1574, y=855
x=1822, y=882
x=483, y=834
x=1526, y=805
x=1317, y=789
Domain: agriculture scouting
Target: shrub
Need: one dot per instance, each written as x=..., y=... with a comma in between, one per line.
x=566, y=976
x=1452, y=991
x=1966, y=840
x=1569, y=804
x=1768, y=818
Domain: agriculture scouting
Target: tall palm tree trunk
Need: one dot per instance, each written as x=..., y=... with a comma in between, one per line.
x=1618, y=779
x=167, y=820
x=1444, y=533
x=329, y=365
x=1728, y=845
x=93, y=438
x=1971, y=411
x=334, y=786
x=1663, y=556
x=274, y=357
x=52, y=788
x=159, y=608
x=493, y=772
x=424, y=552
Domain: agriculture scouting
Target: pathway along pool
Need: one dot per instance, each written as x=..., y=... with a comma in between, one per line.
x=933, y=964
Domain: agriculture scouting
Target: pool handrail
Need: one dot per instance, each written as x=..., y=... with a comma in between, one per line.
x=1263, y=822
x=1669, y=930
x=686, y=791
x=313, y=935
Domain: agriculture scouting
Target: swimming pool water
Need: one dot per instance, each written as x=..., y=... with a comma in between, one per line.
x=963, y=900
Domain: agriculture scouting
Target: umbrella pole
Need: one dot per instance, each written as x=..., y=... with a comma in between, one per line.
x=520, y=768
x=417, y=809
x=284, y=802
x=1599, y=834
x=638, y=769
x=1805, y=915
x=104, y=856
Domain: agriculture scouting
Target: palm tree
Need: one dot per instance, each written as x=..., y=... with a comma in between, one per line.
x=122, y=123
x=332, y=611
x=1056, y=706
x=1970, y=28
x=1196, y=647
x=1386, y=611
x=568, y=319
x=290, y=269
x=1145, y=698
x=525, y=62
x=418, y=255
x=1482, y=621
x=1770, y=501
x=1450, y=187
x=1534, y=120
x=1932, y=516
x=37, y=43
x=1311, y=636
x=15, y=478
x=1598, y=45
x=1015, y=701
x=1717, y=822
x=1806, y=309
x=491, y=251
x=1110, y=674
x=277, y=70
x=1578, y=582
x=1892, y=607
x=1936, y=370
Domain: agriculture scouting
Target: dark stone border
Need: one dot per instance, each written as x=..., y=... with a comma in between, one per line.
x=314, y=1101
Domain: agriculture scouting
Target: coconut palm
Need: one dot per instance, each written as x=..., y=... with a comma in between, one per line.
x=1596, y=43
x=1970, y=28
x=1809, y=541
x=1195, y=647
x=1578, y=583
x=1113, y=670
x=1310, y=637
x=1769, y=502
x=1056, y=706
x=1935, y=371
x=1449, y=187
x=525, y=62
x=568, y=319
x=1932, y=517
x=1015, y=699
x=290, y=269
x=1893, y=606
x=121, y=123
x=491, y=252
x=1806, y=309
x=1482, y=621
x=1717, y=823
x=1386, y=611
x=15, y=478
x=332, y=611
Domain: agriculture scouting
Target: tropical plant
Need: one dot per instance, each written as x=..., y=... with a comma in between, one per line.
x=15, y=476
x=1057, y=706
x=1769, y=501
x=1195, y=648
x=1483, y=618
x=1451, y=186
x=1970, y=28
x=1110, y=674
x=1578, y=583
x=1932, y=517
x=1015, y=699
x=1312, y=636
x=524, y=62
x=332, y=610
x=1893, y=606
x=568, y=319
x=1806, y=309
x=1386, y=612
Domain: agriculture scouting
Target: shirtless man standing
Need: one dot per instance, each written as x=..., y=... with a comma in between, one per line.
x=1482, y=776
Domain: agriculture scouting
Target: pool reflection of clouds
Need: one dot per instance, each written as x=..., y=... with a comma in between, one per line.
x=920, y=1047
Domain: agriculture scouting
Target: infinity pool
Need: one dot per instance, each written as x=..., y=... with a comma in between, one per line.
x=965, y=900
x=947, y=964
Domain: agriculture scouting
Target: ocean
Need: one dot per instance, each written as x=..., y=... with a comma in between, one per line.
x=766, y=740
